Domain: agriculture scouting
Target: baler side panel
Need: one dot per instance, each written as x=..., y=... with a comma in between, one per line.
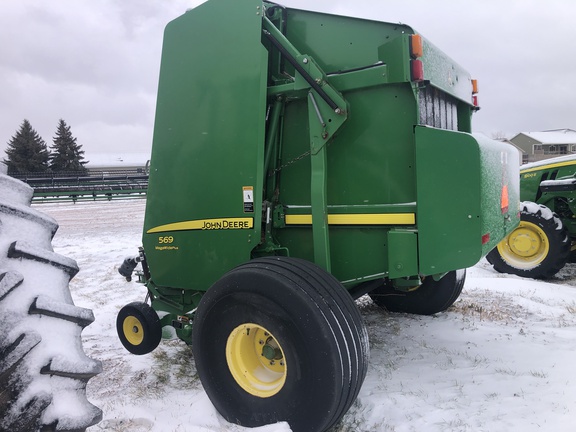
x=376, y=131
x=210, y=121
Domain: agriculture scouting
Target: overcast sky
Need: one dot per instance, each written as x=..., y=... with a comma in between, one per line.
x=95, y=63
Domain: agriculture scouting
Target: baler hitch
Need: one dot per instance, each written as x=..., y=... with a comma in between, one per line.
x=130, y=263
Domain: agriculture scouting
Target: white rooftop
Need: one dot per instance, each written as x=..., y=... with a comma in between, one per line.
x=556, y=136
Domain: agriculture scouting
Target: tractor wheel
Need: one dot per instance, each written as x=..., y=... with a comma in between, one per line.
x=538, y=248
x=429, y=298
x=138, y=328
x=43, y=368
x=279, y=339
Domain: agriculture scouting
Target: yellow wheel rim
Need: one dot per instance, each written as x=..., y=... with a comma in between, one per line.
x=133, y=330
x=256, y=360
x=526, y=247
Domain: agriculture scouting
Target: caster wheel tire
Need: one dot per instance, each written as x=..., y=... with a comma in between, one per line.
x=139, y=328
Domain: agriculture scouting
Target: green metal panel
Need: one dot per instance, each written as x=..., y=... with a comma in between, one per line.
x=403, y=256
x=499, y=168
x=207, y=154
x=370, y=163
x=449, y=212
x=445, y=74
x=340, y=43
x=460, y=179
x=371, y=160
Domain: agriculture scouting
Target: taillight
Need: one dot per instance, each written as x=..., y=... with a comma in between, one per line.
x=416, y=51
x=417, y=70
x=474, y=93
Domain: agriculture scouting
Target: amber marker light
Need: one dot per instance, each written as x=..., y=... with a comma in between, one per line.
x=416, y=46
x=474, y=86
x=504, y=202
x=475, y=92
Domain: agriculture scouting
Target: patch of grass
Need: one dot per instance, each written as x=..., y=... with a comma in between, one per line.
x=455, y=424
x=506, y=371
x=353, y=420
x=174, y=364
x=483, y=312
x=538, y=374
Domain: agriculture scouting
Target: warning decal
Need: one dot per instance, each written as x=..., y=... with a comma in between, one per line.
x=248, y=194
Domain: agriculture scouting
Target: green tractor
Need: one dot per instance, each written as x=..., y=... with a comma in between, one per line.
x=301, y=160
x=543, y=242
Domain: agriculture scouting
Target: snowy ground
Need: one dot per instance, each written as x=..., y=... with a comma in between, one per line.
x=501, y=359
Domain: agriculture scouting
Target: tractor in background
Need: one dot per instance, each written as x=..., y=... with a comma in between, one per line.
x=544, y=241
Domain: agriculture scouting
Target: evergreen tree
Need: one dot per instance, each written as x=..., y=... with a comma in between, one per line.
x=27, y=151
x=66, y=155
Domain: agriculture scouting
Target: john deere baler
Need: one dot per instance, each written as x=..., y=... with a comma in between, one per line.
x=301, y=160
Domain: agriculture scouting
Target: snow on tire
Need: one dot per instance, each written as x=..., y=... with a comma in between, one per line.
x=538, y=248
x=43, y=368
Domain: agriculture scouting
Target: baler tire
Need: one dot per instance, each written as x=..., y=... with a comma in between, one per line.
x=545, y=230
x=356, y=320
x=572, y=256
x=139, y=328
x=429, y=298
x=308, y=316
x=42, y=364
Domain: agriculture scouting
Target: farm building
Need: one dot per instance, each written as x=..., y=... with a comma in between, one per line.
x=547, y=144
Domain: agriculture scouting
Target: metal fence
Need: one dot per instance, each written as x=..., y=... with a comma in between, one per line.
x=91, y=185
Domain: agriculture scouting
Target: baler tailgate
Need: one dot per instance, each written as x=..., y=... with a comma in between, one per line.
x=460, y=181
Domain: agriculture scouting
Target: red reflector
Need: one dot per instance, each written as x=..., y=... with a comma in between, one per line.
x=417, y=70
x=475, y=100
x=485, y=238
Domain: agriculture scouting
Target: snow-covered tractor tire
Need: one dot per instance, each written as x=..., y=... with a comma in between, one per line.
x=43, y=368
x=538, y=248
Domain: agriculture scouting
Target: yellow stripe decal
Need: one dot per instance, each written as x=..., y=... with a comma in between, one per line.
x=550, y=166
x=206, y=224
x=357, y=219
